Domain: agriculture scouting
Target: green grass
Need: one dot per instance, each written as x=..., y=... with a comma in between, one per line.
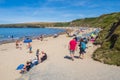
x=107, y=56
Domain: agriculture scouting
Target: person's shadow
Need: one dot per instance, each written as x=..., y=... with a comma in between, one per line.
x=77, y=57
x=68, y=57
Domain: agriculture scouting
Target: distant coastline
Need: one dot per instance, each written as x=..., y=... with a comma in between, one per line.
x=35, y=25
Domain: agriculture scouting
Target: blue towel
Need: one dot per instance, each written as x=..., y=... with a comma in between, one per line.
x=20, y=67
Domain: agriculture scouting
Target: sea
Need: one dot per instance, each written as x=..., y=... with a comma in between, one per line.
x=7, y=34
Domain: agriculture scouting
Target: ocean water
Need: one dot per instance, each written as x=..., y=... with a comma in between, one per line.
x=17, y=33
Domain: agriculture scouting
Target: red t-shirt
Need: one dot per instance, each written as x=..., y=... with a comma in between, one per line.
x=72, y=44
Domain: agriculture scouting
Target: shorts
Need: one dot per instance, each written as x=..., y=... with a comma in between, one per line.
x=30, y=48
x=72, y=51
x=82, y=51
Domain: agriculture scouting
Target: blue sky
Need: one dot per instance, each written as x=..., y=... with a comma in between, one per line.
x=21, y=11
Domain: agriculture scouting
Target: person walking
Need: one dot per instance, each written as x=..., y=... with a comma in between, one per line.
x=82, y=47
x=72, y=47
x=30, y=47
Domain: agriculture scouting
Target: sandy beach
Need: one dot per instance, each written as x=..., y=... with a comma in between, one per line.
x=56, y=67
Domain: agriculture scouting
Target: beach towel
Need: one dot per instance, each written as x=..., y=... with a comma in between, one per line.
x=20, y=67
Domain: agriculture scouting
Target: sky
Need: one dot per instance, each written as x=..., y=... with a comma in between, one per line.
x=22, y=11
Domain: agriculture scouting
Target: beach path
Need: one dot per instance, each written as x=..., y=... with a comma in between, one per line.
x=58, y=67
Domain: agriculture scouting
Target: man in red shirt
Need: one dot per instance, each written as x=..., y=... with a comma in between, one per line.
x=72, y=47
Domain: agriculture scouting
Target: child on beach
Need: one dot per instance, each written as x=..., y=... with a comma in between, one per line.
x=30, y=48
x=17, y=44
x=20, y=45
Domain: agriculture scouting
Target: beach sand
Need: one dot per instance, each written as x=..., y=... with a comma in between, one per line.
x=57, y=66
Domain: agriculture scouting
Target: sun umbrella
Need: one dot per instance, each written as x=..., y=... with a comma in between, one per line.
x=20, y=67
x=27, y=40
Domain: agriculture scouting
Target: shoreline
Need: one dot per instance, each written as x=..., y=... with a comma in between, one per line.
x=35, y=37
x=12, y=57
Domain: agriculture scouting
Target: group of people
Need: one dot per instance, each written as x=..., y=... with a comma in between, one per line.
x=73, y=45
x=81, y=43
x=40, y=57
x=29, y=64
x=19, y=45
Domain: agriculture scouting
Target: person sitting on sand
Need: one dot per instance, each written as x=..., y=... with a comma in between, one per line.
x=34, y=62
x=26, y=67
x=37, y=54
x=55, y=35
x=43, y=56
